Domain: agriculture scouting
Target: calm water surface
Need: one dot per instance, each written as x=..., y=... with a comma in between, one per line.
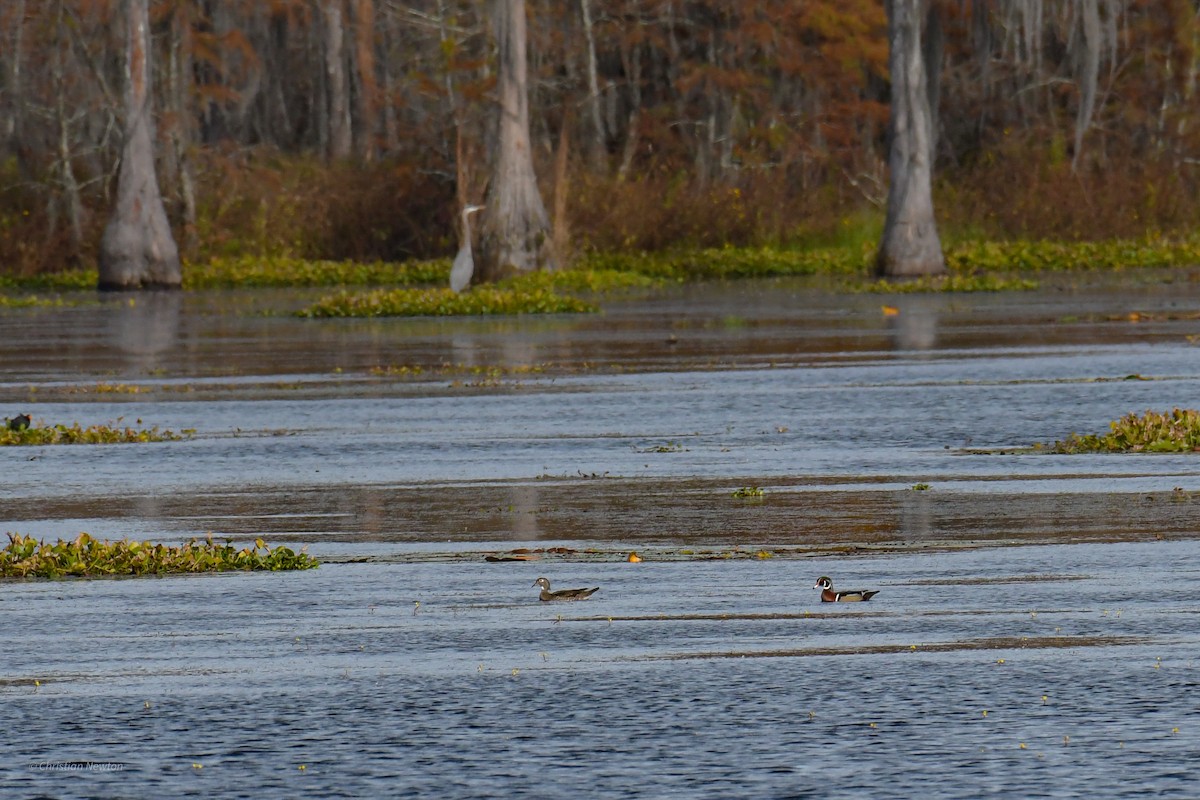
x=1035, y=635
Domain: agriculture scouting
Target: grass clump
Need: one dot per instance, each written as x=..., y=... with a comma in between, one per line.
x=75, y=433
x=443, y=302
x=85, y=556
x=1175, y=431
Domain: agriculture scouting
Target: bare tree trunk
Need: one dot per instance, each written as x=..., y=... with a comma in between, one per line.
x=598, y=149
x=631, y=59
x=561, y=236
x=515, y=228
x=368, y=87
x=66, y=170
x=910, y=245
x=340, y=140
x=138, y=250
x=16, y=105
x=1092, y=45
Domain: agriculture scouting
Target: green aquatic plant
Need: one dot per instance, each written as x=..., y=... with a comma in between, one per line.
x=748, y=491
x=920, y=487
x=669, y=447
x=28, y=301
x=85, y=556
x=982, y=282
x=259, y=271
x=1051, y=256
x=444, y=302
x=582, y=279
x=65, y=281
x=1175, y=431
x=735, y=262
x=974, y=265
x=92, y=434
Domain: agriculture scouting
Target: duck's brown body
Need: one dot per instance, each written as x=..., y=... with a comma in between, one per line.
x=828, y=595
x=562, y=594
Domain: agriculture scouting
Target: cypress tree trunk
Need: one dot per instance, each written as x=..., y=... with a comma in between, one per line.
x=910, y=245
x=516, y=231
x=138, y=250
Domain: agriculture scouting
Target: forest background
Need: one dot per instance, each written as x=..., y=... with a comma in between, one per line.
x=356, y=129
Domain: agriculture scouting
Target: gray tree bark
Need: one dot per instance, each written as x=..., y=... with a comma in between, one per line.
x=910, y=245
x=340, y=139
x=138, y=250
x=15, y=105
x=66, y=171
x=598, y=149
x=516, y=231
x=1092, y=45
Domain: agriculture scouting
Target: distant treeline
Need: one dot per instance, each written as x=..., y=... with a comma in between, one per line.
x=355, y=128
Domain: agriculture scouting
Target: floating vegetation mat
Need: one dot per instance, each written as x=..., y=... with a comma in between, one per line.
x=969, y=263
x=286, y=271
x=443, y=302
x=30, y=301
x=20, y=431
x=985, y=282
x=1175, y=431
x=85, y=557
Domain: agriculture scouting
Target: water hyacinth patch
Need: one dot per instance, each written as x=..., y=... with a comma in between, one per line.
x=93, y=434
x=969, y=261
x=282, y=271
x=582, y=279
x=85, y=556
x=985, y=282
x=444, y=302
x=1051, y=256
x=29, y=301
x=734, y=262
x=1175, y=431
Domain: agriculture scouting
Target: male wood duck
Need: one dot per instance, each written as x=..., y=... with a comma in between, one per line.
x=828, y=595
x=562, y=594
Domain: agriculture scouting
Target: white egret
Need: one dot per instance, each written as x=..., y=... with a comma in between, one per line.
x=464, y=262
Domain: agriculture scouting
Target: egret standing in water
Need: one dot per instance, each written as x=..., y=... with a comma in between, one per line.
x=464, y=262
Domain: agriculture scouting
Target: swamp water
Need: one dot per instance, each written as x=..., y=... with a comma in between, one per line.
x=1035, y=635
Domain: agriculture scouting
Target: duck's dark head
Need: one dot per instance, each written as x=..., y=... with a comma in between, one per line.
x=823, y=583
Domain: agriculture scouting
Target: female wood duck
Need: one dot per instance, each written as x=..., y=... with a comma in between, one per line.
x=828, y=595
x=562, y=594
